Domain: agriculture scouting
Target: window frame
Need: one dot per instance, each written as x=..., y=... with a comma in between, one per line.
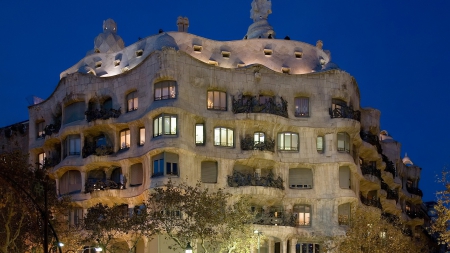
x=304, y=210
x=162, y=161
x=299, y=104
x=141, y=141
x=200, y=134
x=221, y=130
x=171, y=86
x=41, y=159
x=72, y=139
x=158, y=122
x=222, y=100
x=345, y=138
x=320, y=145
x=126, y=137
x=40, y=129
x=341, y=222
x=133, y=100
x=211, y=165
x=284, y=148
x=259, y=137
x=301, y=171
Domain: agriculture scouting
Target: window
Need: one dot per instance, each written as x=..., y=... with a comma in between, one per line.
x=136, y=174
x=344, y=214
x=302, y=214
x=200, y=134
x=209, y=172
x=40, y=129
x=165, y=90
x=75, y=217
x=217, y=100
x=165, y=164
x=125, y=139
x=302, y=107
x=288, y=141
x=142, y=136
x=344, y=177
x=165, y=125
x=74, y=112
x=73, y=145
x=100, y=141
x=320, y=144
x=41, y=160
x=107, y=104
x=265, y=99
x=223, y=137
x=258, y=138
x=132, y=101
x=307, y=248
x=70, y=182
x=343, y=144
x=300, y=178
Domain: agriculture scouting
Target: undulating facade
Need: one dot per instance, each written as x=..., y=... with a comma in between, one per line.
x=271, y=118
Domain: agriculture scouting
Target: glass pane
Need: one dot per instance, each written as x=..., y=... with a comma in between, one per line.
x=223, y=100
x=155, y=127
x=165, y=93
x=155, y=166
x=172, y=91
x=319, y=143
x=130, y=105
x=281, y=141
x=216, y=100
x=157, y=92
x=288, y=141
x=341, y=145
x=160, y=125
x=161, y=166
x=142, y=136
x=166, y=124
x=223, y=136
x=230, y=138
x=210, y=100
x=199, y=133
x=173, y=125
x=168, y=168
x=135, y=103
x=174, y=168
x=294, y=142
x=127, y=137
x=217, y=136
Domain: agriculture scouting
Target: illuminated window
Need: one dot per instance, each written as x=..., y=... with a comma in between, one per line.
x=302, y=107
x=165, y=124
x=199, y=134
x=223, y=137
x=303, y=215
x=165, y=90
x=73, y=145
x=343, y=144
x=41, y=160
x=288, y=141
x=217, y=100
x=320, y=144
x=125, y=139
x=142, y=136
x=132, y=101
x=40, y=129
x=258, y=138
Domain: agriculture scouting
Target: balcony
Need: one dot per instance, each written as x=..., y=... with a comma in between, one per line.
x=103, y=114
x=390, y=167
x=239, y=179
x=92, y=149
x=101, y=185
x=371, y=139
x=52, y=128
x=247, y=104
x=248, y=143
x=345, y=112
x=50, y=162
x=415, y=191
x=370, y=169
x=370, y=201
x=391, y=194
x=391, y=218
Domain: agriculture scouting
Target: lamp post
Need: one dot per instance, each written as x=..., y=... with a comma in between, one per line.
x=259, y=235
x=188, y=248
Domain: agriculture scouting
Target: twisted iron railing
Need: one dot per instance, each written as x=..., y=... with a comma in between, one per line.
x=370, y=169
x=253, y=105
x=370, y=202
x=248, y=143
x=345, y=112
x=250, y=179
x=390, y=167
x=415, y=191
x=391, y=194
x=371, y=139
x=103, y=114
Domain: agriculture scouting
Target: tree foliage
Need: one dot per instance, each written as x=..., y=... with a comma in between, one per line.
x=370, y=232
x=189, y=214
x=442, y=223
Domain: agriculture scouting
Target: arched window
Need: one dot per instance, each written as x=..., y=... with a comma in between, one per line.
x=132, y=101
x=165, y=90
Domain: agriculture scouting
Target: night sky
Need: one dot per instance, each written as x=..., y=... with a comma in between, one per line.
x=396, y=50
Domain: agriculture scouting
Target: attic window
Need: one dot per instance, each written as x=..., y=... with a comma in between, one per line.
x=285, y=70
x=298, y=55
x=125, y=69
x=197, y=48
x=268, y=52
x=240, y=65
x=139, y=53
x=96, y=50
x=98, y=64
x=116, y=63
x=213, y=62
x=322, y=62
x=226, y=54
x=91, y=72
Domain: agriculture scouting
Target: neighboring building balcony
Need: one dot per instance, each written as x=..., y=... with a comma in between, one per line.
x=371, y=139
x=375, y=202
x=248, y=143
x=415, y=191
x=249, y=104
x=238, y=179
x=370, y=169
x=104, y=114
x=390, y=167
x=345, y=112
x=391, y=194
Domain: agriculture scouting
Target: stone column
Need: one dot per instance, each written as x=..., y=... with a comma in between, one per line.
x=83, y=180
x=271, y=245
x=293, y=244
x=284, y=246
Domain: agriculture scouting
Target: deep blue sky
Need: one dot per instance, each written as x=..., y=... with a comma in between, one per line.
x=396, y=50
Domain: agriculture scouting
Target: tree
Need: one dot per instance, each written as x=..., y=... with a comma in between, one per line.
x=186, y=214
x=371, y=232
x=104, y=225
x=442, y=223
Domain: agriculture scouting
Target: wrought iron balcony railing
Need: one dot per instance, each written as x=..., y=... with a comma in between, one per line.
x=369, y=169
x=103, y=114
x=391, y=194
x=370, y=201
x=248, y=143
x=253, y=105
x=371, y=139
x=101, y=185
x=346, y=112
x=52, y=128
x=390, y=167
x=415, y=191
x=391, y=218
x=50, y=162
x=92, y=149
x=250, y=179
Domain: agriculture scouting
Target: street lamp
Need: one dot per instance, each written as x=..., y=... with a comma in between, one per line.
x=259, y=235
x=97, y=249
x=188, y=248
